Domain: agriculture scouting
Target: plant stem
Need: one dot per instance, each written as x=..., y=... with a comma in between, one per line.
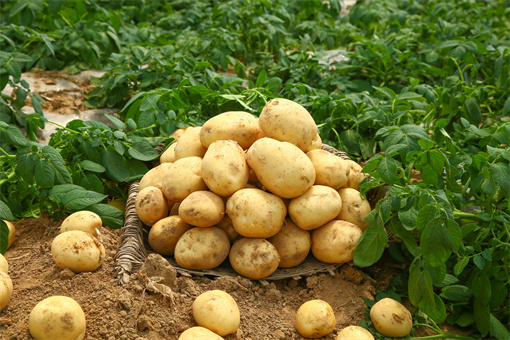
x=462, y=214
x=9, y=176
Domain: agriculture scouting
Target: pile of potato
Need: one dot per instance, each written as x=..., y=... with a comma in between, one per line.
x=259, y=191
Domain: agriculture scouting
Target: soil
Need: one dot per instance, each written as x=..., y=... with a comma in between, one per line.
x=147, y=308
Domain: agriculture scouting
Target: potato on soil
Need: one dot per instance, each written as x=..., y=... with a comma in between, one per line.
x=335, y=241
x=281, y=167
x=288, y=121
x=189, y=144
x=256, y=213
x=4, y=266
x=238, y=126
x=202, y=209
x=155, y=177
x=255, y=258
x=354, y=333
x=316, y=207
x=315, y=319
x=227, y=225
x=202, y=248
x=168, y=156
x=292, y=243
x=183, y=177
x=78, y=251
x=217, y=311
x=355, y=175
x=391, y=318
x=12, y=233
x=86, y=221
x=354, y=207
x=165, y=233
x=199, y=333
x=57, y=318
x=151, y=205
x=6, y=289
x=330, y=169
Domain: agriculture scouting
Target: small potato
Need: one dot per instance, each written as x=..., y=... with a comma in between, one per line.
x=217, y=311
x=199, y=333
x=57, y=317
x=6, y=290
x=316, y=144
x=354, y=207
x=256, y=213
x=165, y=233
x=12, y=233
x=391, y=318
x=316, y=207
x=292, y=243
x=202, y=248
x=183, y=177
x=168, y=156
x=86, y=221
x=155, y=177
x=189, y=144
x=288, y=121
x=202, y=209
x=354, y=333
x=151, y=205
x=78, y=251
x=238, y=126
x=224, y=168
x=330, y=169
x=255, y=258
x=227, y=225
x=355, y=175
x=4, y=266
x=335, y=241
x=315, y=319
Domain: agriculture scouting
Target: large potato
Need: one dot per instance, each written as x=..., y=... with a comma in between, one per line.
x=224, y=168
x=238, y=126
x=281, y=167
x=151, y=205
x=292, y=243
x=354, y=333
x=391, y=318
x=316, y=207
x=354, y=207
x=189, y=144
x=12, y=233
x=335, y=241
x=218, y=311
x=199, y=333
x=288, y=121
x=183, y=177
x=255, y=258
x=202, y=248
x=256, y=213
x=78, y=251
x=202, y=209
x=6, y=289
x=168, y=156
x=165, y=233
x=155, y=177
x=4, y=266
x=315, y=319
x=57, y=317
x=330, y=169
x=86, y=221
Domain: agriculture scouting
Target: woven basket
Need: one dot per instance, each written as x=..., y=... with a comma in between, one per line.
x=134, y=247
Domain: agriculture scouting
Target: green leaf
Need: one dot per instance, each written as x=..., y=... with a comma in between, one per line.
x=506, y=107
x=4, y=236
x=436, y=311
x=436, y=160
x=408, y=218
x=387, y=168
x=481, y=286
x=482, y=314
x=142, y=150
x=44, y=173
x=456, y=293
x=119, y=124
x=370, y=245
x=501, y=174
x=150, y=103
x=261, y=79
x=425, y=215
x=55, y=5
x=420, y=287
x=274, y=84
x=473, y=110
x=497, y=329
x=92, y=166
x=405, y=235
x=5, y=212
x=25, y=166
x=385, y=91
x=460, y=265
x=13, y=135
x=111, y=216
x=60, y=171
x=74, y=197
x=436, y=242
x=116, y=165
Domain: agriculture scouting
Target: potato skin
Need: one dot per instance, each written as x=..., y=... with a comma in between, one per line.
x=217, y=311
x=6, y=289
x=78, y=251
x=255, y=258
x=238, y=126
x=292, y=243
x=57, y=317
x=86, y=221
x=227, y=225
x=330, y=169
x=281, y=167
x=355, y=175
x=154, y=177
x=168, y=156
x=151, y=205
x=391, y=318
x=165, y=233
x=4, y=266
x=12, y=233
x=202, y=209
x=189, y=144
x=354, y=207
x=315, y=319
x=354, y=333
x=199, y=332
x=182, y=178
x=335, y=241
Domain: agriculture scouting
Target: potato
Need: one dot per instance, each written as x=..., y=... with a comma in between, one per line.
x=354, y=207
x=217, y=311
x=255, y=258
x=238, y=126
x=256, y=213
x=155, y=177
x=6, y=290
x=292, y=243
x=4, y=266
x=86, y=221
x=354, y=333
x=391, y=318
x=176, y=135
x=316, y=207
x=315, y=319
x=183, y=177
x=330, y=169
x=78, y=251
x=202, y=248
x=227, y=225
x=224, y=168
x=151, y=205
x=335, y=241
x=199, y=333
x=189, y=144
x=57, y=317
x=202, y=209
x=175, y=208
x=355, y=175
x=287, y=121
x=168, y=156
x=281, y=167
x=12, y=233
x=165, y=233
x=316, y=144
